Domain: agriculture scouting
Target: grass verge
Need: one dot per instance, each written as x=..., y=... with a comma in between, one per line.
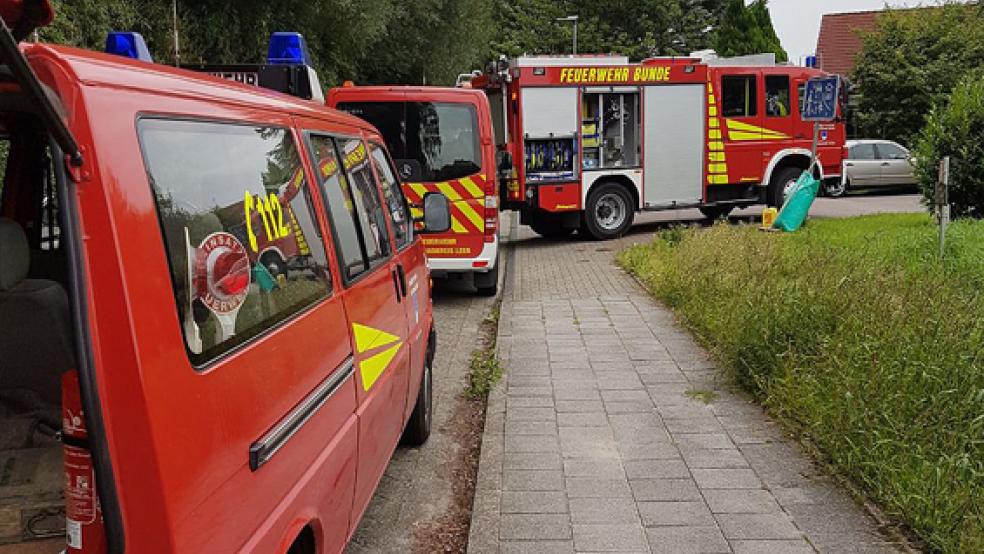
x=855, y=333
x=484, y=370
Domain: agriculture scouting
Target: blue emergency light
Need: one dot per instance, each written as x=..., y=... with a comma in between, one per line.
x=288, y=49
x=129, y=44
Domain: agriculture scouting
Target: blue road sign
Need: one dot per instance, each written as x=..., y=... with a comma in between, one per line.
x=820, y=102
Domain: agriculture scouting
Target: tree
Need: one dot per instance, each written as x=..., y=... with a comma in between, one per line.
x=910, y=62
x=429, y=42
x=634, y=28
x=748, y=30
x=955, y=128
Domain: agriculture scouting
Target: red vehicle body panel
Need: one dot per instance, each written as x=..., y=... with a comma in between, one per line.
x=178, y=436
x=471, y=223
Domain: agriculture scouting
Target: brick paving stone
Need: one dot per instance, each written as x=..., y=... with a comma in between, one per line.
x=609, y=538
x=601, y=446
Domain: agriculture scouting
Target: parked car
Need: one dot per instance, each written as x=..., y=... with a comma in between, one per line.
x=874, y=164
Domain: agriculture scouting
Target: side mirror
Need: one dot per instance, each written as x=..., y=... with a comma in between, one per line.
x=437, y=213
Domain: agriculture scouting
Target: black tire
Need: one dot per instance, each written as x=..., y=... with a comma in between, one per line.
x=487, y=284
x=838, y=189
x=609, y=211
x=418, y=428
x=716, y=212
x=778, y=184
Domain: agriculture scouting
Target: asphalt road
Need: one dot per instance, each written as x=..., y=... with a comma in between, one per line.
x=847, y=206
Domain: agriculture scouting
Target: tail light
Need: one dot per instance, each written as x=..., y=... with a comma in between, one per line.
x=491, y=211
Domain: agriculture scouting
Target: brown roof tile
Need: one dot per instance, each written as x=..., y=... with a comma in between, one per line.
x=840, y=41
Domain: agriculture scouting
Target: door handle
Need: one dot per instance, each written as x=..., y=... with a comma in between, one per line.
x=885, y=164
x=849, y=164
x=403, y=279
x=396, y=285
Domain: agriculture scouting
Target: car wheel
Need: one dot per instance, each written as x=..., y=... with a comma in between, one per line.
x=419, y=426
x=487, y=284
x=716, y=212
x=610, y=211
x=782, y=182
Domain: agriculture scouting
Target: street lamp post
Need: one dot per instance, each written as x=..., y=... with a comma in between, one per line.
x=572, y=18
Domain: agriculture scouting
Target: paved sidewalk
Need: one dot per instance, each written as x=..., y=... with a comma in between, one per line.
x=612, y=431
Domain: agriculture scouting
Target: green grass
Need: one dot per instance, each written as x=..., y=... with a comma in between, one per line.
x=484, y=370
x=855, y=333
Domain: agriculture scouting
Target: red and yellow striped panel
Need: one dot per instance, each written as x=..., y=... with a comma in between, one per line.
x=467, y=201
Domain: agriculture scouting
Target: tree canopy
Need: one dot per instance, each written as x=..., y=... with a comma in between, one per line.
x=394, y=41
x=910, y=62
x=748, y=30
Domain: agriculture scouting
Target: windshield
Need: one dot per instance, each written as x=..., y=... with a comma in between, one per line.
x=430, y=141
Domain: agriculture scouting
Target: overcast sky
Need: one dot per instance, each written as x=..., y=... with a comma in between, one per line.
x=797, y=22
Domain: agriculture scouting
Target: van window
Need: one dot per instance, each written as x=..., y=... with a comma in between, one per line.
x=396, y=204
x=353, y=204
x=241, y=234
x=777, y=96
x=430, y=141
x=739, y=96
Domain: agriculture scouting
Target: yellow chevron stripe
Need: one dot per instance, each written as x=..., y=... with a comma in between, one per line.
x=456, y=226
x=717, y=168
x=469, y=212
x=419, y=189
x=475, y=190
x=367, y=338
x=714, y=134
x=717, y=179
x=740, y=127
x=447, y=190
x=712, y=111
x=416, y=212
x=714, y=124
x=715, y=156
x=715, y=146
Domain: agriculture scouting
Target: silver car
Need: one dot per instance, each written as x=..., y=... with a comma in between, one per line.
x=872, y=164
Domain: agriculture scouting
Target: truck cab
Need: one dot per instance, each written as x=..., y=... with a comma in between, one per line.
x=441, y=139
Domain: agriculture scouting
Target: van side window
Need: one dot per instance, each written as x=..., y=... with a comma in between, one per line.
x=396, y=204
x=242, y=238
x=353, y=204
x=777, y=96
x=739, y=95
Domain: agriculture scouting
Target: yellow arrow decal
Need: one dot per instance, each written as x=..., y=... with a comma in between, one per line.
x=368, y=338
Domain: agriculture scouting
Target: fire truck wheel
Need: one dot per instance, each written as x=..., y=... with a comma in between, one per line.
x=487, y=284
x=609, y=212
x=781, y=182
x=419, y=426
x=716, y=212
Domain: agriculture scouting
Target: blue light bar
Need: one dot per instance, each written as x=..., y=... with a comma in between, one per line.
x=131, y=45
x=288, y=48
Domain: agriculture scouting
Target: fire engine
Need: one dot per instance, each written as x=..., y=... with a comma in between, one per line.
x=584, y=142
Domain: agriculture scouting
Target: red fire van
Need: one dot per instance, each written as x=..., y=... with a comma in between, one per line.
x=215, y=313
x=441, y=139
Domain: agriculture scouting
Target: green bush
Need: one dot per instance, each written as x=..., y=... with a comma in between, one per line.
x=856, y=334
x=956, y=129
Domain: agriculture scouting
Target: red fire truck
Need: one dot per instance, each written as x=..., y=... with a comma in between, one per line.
x=584, y=142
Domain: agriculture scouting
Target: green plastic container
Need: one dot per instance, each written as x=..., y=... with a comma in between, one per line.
x=797, y=204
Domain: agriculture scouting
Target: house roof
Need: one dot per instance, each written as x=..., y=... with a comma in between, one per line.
x=840, y=39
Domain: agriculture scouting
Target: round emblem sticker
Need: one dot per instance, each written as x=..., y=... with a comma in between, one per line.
x=406, y=171
x=222, y=273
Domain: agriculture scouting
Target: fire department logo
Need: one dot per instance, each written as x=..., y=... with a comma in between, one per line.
x=222, y=273
x=406, y=171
